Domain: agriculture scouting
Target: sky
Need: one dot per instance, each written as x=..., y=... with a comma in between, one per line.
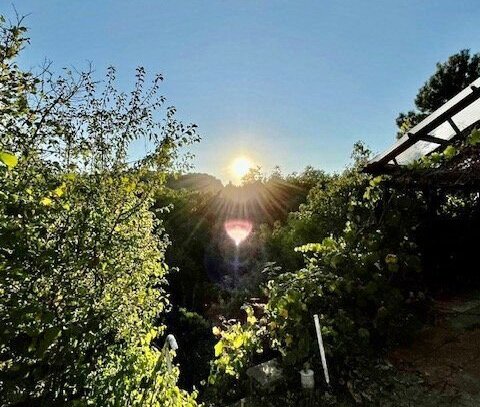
x=287, y=83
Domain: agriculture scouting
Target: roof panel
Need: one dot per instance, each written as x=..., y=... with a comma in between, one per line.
x=456, y=115
x=445, y=131
x=418, y=150
x=467, y=116
x=446, y=107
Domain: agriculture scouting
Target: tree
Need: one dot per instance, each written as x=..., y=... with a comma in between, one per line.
x=450, y=77
x=189, y=225
x=82, y=271
x=253, y=175
x=323, y=212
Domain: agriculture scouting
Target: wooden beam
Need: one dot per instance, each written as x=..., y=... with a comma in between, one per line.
x=430, y=125
x=435, y=140
x=454, y=126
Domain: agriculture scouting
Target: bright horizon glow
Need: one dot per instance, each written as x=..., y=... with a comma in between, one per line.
x=240, y=167
x=238, y=230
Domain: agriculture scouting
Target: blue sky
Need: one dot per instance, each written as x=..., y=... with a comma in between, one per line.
x=287, y=83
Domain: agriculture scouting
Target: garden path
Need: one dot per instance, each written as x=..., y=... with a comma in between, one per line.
x=447, y=354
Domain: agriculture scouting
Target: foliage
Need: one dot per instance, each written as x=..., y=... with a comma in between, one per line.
x=200, y=253
x=323, y=214
x=450, y=77
x=350, y=282
x=189, y=227
x=362, y=279
x=406, y=121
x=195, y=345
x=82, y=271
x=237, y=344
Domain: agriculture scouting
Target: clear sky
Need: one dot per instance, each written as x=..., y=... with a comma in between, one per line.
x=291, y=83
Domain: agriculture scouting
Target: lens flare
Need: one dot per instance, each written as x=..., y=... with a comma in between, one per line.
x=238, y=230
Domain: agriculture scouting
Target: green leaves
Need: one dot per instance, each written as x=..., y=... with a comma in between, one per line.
x=234, y=349
x=218, y=348
x=8, y=159
x=474, y=138
x=46, y=201
x=450, y=152
x=350, y=278
x=392, y=262
x=47, y=339
x=82, y=256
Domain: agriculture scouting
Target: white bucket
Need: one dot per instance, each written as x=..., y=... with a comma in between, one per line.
x=307, y=379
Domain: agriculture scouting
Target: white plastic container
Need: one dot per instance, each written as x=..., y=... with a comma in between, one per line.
x=307, y=379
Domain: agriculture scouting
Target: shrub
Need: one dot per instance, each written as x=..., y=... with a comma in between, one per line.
x=195, y=341
x=364, y=284
x=81, y=269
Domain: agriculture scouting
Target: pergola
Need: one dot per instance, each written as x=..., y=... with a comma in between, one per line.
x=447, y=125
x=448, y=243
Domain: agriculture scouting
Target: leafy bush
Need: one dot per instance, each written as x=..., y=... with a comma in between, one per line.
x=323, y=215
x=81, y=269
x=356, y=283
x=363, y=280
x=236, y=348
x=195, y=345
x=236, y=342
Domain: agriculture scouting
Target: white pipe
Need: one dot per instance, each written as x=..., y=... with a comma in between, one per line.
x=170, y=343
x=322, y=349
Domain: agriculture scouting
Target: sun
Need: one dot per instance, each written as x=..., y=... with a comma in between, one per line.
x=241, y=166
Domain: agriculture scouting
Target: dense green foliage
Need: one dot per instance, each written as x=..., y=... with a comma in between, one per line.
x=86, y=236
x=367, y=278
x=195, y=225
x=357, y=278
x=323, y=214
x=82, y=272
x=236, y=346
x=353, y=281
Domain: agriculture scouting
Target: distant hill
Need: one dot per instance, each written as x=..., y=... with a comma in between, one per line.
x=260, y=201
x=205, y=183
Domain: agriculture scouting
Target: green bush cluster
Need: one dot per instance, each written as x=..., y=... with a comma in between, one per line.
x=82, y=271
x=362, y=279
